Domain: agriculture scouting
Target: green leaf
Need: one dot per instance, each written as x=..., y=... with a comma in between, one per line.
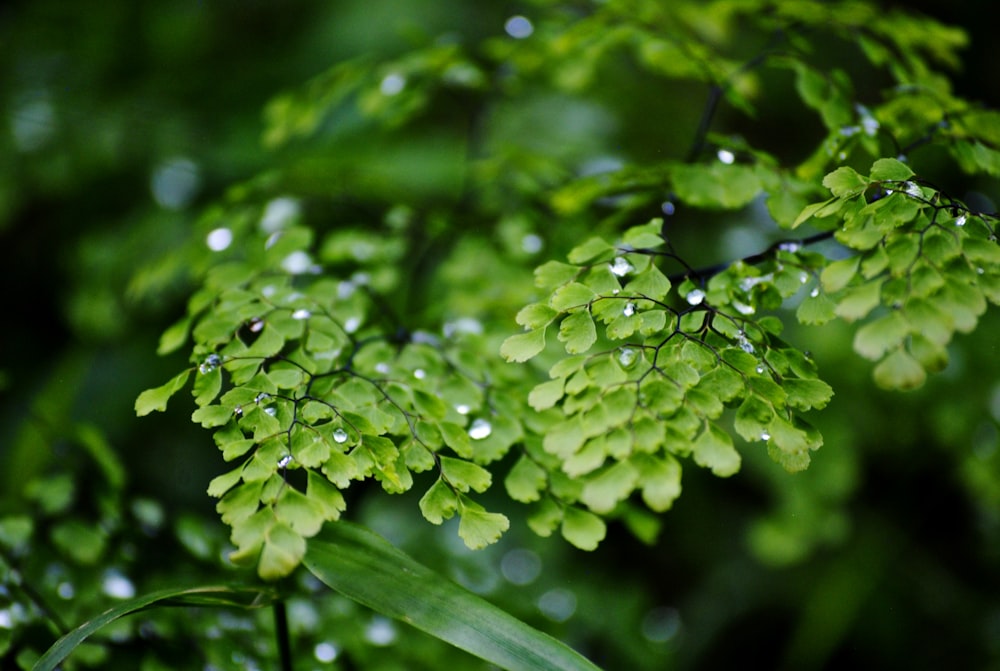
x=602, y=493
x=536, y=315
x=438, y=503
x=659, y=479
x=478, y=528
x=523, y=346
x=578, y=332
x=845, y=182
x=899, y=370
x=890, y=169
x=815, y=309
x=553, y=274
x=572, y=295
x=650, y=283
x=714, y=449
x=156, y=399
x=525, y=480
x=364, y=567
x=174, y=337
x=592, y=250
x=837, y=274
x=583, y=529
x=206, y=595
x=546, y=394
x=212, y=415
x=807, y=394
x=859, y=301
x=283, y=550
x=464, y=475
x=887, y=332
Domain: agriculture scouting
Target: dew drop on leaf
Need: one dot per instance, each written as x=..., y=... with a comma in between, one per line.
x=339, y=436
x=256, y=325
x=695, y=297
x=620, y=267
x=961, y=220
x=815, y=292
x=913, y=190
x=238, y=411
x=803, y=277
x=629, y=309
x=352, y=324
x=480, y=429
x=627, y=357
x=211, y=362
x=382, y=367
x=262, y=396
x=462, y=409
x=301, y=313
x=761, y=369
x=743, y=308
x=790, y=246
x=765, y=436
x=420, y=373
x=284, y=461
x=271, y=410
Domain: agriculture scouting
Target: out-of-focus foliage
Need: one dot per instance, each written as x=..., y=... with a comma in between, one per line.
x=357, y=201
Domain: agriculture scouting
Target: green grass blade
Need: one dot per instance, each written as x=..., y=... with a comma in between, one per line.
x=210, y=595
x=368, y=569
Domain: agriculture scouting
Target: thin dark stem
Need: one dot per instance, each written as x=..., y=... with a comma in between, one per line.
x=703, y=274
x=281, y=633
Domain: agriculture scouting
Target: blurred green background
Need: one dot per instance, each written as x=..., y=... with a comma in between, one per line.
x=120, y=120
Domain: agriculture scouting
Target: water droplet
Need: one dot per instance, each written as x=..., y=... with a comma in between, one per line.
x=913, y=190
x=325, y=652
x=65, y=590
x=211, y=362
x=557, y=604
x=981, y=271
x=219, y=239
x=518, y=27
x=726, y=156
x=815, y=292
x=803, y=277
x=462, y=325
x=961, y=220
x=620, y=266
x=284, y=461
x=117, y=586
x=301, y=313
x=380, y=631
x=297, y=263
x=352, y=324
x=256, y=325
x=278, y=213
x=174, y=183
x=615, y=292
x=480, y=429
x=744, y=344
x=392, y=84
x=627, y=357
x=420, y=373
x=695, y=297
x=382, y=367
x=238, y=411
x=790, y=246
x=271, y=410
x=463, y=409
x=667, y=208
x=760, y=369
x=743, y=308
x=531, y=243
x=345, y=289
x=629, y=309
x=339, y=436
x=262, y=396
x=848, y=131
x=765, y=436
